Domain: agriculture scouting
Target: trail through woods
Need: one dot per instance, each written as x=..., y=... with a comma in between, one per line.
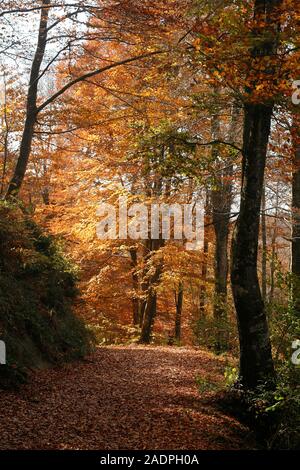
x=121, y=398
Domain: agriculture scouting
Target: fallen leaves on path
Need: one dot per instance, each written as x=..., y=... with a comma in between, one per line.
x=121, y=398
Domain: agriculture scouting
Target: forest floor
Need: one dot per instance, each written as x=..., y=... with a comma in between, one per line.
x=132, y=397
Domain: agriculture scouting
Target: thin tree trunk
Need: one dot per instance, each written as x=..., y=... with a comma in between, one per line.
x=272, y=267
x=273, y=249
x=6, y=134
x=31, y=107
x=256, y=363
x=179, y=304
x=135, y=283
x=204, y=265
x=147, y=246
x=221, y=229
x=152, y=245
x=149, y=315
x=264, y=246
x=46, y=196
x=151, y=302
x=221, y=207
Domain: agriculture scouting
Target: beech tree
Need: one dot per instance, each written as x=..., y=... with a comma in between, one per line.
x=222, y=198
x=33, y=107
x=256, y=364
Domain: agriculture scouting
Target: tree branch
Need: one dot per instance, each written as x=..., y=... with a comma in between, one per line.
x=93, y=74
x=56, y=5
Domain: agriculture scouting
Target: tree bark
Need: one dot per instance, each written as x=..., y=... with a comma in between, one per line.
x=135, y=282
x=144, y=281
x=204, y=266
x=256, y=363
x=6, y=136
x=151, y=302
x=221, y=198
x=149, y=315
x=179, y=304
x=264, y=247
x=31, y=107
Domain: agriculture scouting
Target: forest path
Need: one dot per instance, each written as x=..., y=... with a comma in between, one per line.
x=121, y=398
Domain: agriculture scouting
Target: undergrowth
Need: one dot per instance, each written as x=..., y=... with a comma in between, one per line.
x=37, y=287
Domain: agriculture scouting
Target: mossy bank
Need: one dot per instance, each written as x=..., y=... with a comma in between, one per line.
x=37, y=288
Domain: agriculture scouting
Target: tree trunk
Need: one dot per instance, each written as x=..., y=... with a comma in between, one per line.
x=264, y=247
x=149, y=315
x=154, y=188
x=179, y=303
x=6, y=136
x=221, y=198
x=145, y=281
x=45, y=196
x=135, y=283
x=221, y=275
x=273, y=248
x=202, y=294
x=150, y=303
x=256, y=363
x=31, y=106
x=150, y=307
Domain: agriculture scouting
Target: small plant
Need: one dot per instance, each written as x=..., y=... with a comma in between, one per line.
x=219, y=336
x=204, y=385
x=282, y=408
x=231, y=376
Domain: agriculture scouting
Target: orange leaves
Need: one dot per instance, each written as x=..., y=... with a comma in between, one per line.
x=224, y=43
x=121, y=398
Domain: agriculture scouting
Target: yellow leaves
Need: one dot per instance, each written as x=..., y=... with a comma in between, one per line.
x=197, y=44
x=217, y=74
x=260, y=87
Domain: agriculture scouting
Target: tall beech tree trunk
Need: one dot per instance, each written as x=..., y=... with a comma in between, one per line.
x=221, y=225
x=158, y=186
x=6, y=136
x=273, y=249
x=202, y=293
x=221, y=198
x=264, y=246
x=179, y=304
x=144, y=281
x=31, y=105
x=149, y=315
x=136, y=304
x=256, y=363
x=150, y=304
x=221, y=229
x=273, y=265
x=255, y=350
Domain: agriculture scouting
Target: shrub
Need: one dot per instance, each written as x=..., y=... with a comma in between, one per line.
x=37, y=287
